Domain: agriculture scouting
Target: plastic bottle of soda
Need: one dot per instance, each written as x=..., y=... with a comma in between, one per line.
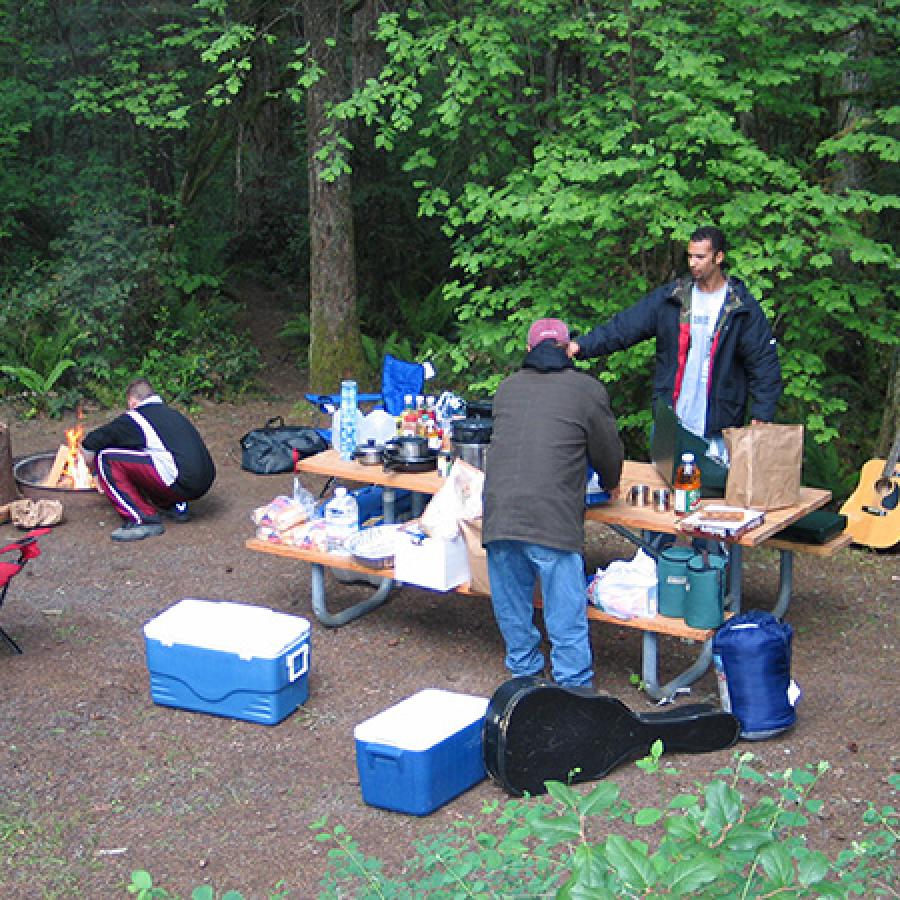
x=687, y=486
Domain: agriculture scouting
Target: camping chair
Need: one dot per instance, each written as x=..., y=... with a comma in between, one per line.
x=27, y=548
x=398, y=378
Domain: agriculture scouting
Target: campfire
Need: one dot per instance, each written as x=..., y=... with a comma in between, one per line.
x=69, y=469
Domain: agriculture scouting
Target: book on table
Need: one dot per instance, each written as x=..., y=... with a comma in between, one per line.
x=717, y=520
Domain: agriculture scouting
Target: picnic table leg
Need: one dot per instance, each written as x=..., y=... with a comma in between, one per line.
x=319, y=597
x=735, y=578
x=334, y=620
x=785, y=583
x=650, y=669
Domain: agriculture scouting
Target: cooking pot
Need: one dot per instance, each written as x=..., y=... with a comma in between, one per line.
x=369, y=454
x=408, y=454
x=473, y=454
x=471, y=431
x=407, y=447
x=394, y=464
x=480, y=409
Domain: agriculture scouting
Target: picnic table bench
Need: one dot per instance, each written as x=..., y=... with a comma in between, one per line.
x=626, y=520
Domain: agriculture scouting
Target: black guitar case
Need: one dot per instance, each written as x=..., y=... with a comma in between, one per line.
x=535, y=731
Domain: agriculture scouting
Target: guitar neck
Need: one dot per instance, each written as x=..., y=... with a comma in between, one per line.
x=893, y=456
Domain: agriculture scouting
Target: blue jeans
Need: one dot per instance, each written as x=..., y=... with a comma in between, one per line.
x=514, y=567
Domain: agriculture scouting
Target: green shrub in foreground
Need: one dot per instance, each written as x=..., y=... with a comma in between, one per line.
x=708, y=843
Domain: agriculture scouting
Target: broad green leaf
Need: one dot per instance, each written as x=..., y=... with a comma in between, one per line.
x=687, y=876
x=812, y=867
x=649, y=815
x=631, y=863
x=600, y=798
x=776, y=861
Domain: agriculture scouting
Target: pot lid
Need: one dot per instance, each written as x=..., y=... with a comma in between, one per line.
x=471, y=431
x=407, y=447
x=369, y=448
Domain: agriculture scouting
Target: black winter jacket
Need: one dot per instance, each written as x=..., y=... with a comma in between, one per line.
x=744, y=357
x=549, y=419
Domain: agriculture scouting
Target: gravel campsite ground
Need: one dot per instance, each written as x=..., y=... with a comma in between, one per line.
x=97, y=781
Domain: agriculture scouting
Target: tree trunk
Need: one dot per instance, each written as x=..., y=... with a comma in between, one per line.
x=8, y=491
x=335, y=349
x=890, y=421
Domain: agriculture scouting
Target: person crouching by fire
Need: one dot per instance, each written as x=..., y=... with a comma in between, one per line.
x=149, y=461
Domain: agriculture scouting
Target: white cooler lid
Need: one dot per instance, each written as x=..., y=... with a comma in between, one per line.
x=251, y=632
x=423, y=720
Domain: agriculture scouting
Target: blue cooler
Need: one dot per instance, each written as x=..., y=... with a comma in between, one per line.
x=421, y=753
x=228, y=659
x=369, y=501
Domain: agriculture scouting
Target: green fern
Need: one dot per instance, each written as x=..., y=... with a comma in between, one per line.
x=35, y=382
x=39, y=386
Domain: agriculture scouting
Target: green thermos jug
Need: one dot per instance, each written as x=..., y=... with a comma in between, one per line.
x=672, y=576
x=704, y=603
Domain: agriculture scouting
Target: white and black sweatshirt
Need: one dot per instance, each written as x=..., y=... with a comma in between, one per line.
x=174, y=444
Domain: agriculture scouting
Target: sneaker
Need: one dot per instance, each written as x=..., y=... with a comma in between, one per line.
x=178, y=512
x=137, y=531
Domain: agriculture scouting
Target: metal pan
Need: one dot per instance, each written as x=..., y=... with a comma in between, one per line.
x=398, y=464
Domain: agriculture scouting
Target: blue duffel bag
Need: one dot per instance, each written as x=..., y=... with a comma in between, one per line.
x=752, y=657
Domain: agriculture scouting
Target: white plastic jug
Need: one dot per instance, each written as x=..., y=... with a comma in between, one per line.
x=341, y=520
x=378, y=426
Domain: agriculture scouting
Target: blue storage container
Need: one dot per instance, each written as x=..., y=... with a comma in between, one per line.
x=370, y=500
x=421, y=753
x=229, y=659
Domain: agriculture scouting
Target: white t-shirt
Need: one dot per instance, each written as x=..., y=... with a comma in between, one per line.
x=691, y=406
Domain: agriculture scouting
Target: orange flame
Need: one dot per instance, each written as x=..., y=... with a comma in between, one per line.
x=75, y=468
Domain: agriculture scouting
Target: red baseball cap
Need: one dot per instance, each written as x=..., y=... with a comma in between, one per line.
x=548, y=329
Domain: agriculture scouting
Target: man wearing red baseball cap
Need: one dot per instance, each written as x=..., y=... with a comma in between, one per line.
x=549, y=421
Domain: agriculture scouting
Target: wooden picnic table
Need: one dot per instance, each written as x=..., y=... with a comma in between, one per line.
x=627, y=520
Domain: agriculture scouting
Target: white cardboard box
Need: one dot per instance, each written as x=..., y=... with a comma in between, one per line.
x=432, y=563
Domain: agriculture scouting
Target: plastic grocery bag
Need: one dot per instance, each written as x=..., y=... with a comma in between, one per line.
x=626, y=588
x=459, y=498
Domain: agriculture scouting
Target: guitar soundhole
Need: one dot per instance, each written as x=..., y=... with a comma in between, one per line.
x=888, y=492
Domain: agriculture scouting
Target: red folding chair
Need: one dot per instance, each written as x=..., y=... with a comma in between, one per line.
x=27, y=548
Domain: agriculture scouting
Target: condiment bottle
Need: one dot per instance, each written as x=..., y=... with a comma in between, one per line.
x=421, y=418
x=433, y=435
x=687, y=486
x=408, y=417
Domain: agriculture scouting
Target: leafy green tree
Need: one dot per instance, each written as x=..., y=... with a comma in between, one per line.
x=568, y=152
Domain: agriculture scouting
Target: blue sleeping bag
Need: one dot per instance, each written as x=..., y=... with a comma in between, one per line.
x=752, y=656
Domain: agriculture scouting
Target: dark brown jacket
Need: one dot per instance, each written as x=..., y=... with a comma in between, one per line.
x=549, y=421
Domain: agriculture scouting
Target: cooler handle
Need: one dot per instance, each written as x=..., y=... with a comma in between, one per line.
x=294, y=673
x=383, y=751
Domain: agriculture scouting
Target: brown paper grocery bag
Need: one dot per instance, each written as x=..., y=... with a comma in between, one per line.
x=470, y=529
x=765, y=464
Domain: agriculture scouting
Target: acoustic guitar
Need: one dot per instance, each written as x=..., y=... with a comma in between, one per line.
x=535, y=731
x=873, y=509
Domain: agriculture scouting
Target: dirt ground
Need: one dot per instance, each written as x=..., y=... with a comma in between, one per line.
x=96, y=780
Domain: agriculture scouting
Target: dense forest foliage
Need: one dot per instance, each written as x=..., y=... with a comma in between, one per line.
x=429, y=176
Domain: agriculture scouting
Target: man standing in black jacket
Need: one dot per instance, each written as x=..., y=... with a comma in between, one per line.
x=549, y=422
x=714, y=346
x=149, y=460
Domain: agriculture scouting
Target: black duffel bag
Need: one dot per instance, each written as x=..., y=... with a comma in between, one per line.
x=270, y=450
